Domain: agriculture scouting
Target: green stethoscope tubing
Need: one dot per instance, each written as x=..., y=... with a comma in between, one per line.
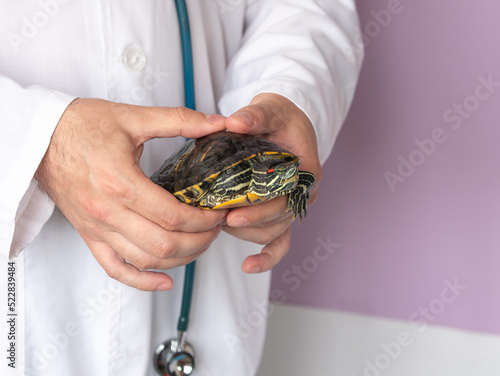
x=176, y=356
x=187, y=53
x=187, y=61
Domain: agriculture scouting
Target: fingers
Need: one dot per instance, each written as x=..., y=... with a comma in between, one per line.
x=261, y=234
x=279, y=120
x=141, y=123
x=252, y=119
x=154, y=122
x=124, y=242
x=270, y=255
x=258, y=215
x=117, y=268
x=161, y=207
x=267, y=224
x=267, y=114
x=113, y=182
x=125, y=261
x=137, y=238
x=142, y=260
x=91, y=172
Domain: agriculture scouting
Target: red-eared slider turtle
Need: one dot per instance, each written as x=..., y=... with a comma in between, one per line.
x=225, y=170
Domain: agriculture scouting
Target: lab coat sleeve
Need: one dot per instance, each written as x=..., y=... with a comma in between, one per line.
x=304, y=50
x=28, y=117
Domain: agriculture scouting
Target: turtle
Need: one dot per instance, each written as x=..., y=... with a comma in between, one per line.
x=227, y=170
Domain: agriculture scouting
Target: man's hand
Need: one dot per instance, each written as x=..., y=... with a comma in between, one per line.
x=91, y=171
x=280, y=121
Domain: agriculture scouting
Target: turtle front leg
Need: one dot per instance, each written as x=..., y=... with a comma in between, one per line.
x=297, y=199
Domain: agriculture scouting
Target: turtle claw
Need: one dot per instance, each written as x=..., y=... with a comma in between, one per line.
x=297, y=199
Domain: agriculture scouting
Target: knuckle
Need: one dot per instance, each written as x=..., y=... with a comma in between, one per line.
x=101, y=208
x=258, y=114
x=265, y=237
x=164, y=249
x=114, y=273
x=172, y=220
x=144, y=262
x=98, y=210
x=115, y=186
x=183, y=113
x=278, y=235
x=206, y=243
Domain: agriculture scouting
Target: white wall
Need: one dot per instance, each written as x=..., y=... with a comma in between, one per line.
x=305, y=341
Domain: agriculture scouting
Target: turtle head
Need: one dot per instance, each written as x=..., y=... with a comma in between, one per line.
x=282, y=173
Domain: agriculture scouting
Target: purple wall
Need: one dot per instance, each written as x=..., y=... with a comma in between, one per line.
x=419, y=238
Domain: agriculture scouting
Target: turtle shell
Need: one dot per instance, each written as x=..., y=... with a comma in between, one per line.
x=210, y=161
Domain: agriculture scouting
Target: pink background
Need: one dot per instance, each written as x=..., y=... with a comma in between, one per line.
x=398, y=247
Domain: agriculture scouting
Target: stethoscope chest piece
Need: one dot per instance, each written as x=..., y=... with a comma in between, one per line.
x=170, y=359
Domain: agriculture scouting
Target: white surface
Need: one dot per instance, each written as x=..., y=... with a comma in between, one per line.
x=305, y=341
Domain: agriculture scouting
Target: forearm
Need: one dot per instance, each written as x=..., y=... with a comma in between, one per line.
x=28, y=117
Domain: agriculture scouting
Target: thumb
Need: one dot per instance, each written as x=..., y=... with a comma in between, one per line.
x=158, y=122
x=252, y=119
x=261, y=117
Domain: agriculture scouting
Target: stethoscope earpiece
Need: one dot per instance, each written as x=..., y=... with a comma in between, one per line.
x=174, y=358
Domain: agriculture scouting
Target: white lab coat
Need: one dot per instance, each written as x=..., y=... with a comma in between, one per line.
x=69, y=316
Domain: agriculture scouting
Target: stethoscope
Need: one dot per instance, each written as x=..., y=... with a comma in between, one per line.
x=175, y=357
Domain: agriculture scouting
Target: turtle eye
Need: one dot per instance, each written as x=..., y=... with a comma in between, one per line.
x=280, y=169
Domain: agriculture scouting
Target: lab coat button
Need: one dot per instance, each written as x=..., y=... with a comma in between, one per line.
x=134, y=58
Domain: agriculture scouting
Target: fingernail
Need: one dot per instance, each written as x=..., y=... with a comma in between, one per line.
x=164, y=287
x=243, y=117
x=238, y=222
x=215, y=119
